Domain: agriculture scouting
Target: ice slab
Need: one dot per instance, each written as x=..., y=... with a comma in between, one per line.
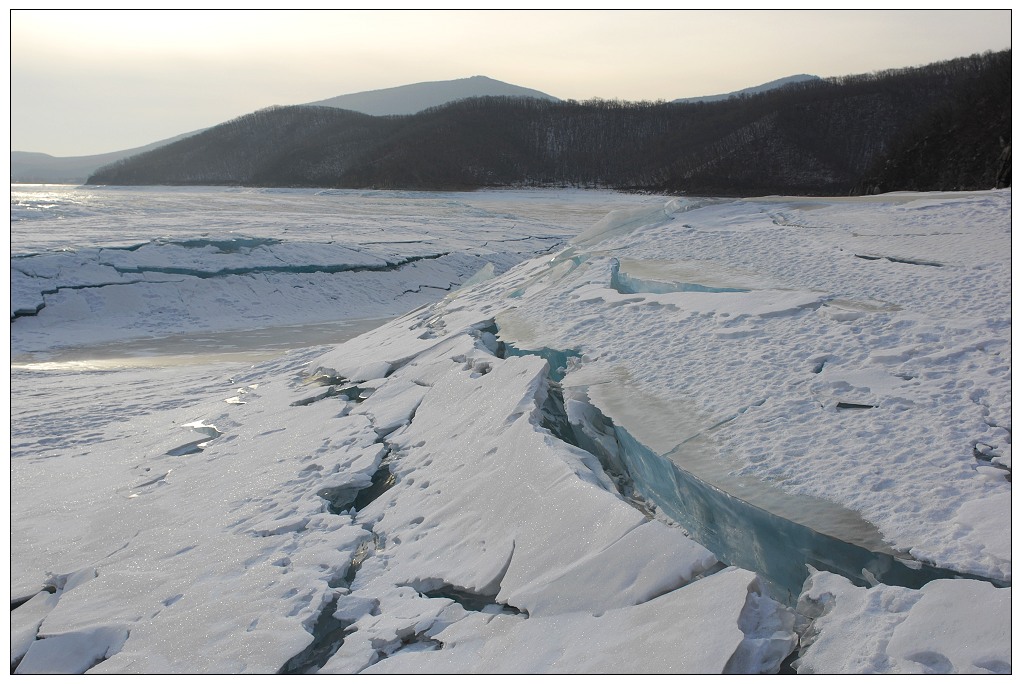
x=946, y=627
x=703, y=637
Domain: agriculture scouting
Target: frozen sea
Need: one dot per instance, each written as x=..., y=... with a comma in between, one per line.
x=277, y=430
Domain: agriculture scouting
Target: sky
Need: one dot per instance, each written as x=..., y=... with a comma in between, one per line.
x=88, y=82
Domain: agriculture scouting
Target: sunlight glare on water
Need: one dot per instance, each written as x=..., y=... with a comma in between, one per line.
x=242, y=346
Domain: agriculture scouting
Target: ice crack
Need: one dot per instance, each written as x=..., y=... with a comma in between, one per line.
x=898, y=260
x=253, y=270
x=736, y=531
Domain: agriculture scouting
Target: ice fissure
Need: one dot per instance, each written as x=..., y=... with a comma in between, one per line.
x=329, y=630
x=149, y=271
x=737, y=532
x=470, y=600
x=343, y=499
x=286, y=268
x=898, y=260
x=23, y=312
x=327, y=638
x=35, y=650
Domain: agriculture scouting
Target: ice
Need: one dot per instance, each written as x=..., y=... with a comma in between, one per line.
x=982, y=522
x=153, y=303
x=463, y=511
x=623, y=221
x=957, y=626
x=693, y=630
x=393, y=406
x=113, y=263
x=768, y=378
x=947, y=627
x=25, y=621
x=72, y=653
x=405, y=500
x=626, y=583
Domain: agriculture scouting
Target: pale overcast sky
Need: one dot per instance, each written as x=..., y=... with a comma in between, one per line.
x=98, y=81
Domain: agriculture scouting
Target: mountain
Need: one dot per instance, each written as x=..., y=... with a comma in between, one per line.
x=252, y=149
x=754, y=90
x=36, y=167
x=410, y=99
x=817, y=137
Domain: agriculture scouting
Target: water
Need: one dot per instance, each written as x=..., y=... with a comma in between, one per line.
x=191, y=349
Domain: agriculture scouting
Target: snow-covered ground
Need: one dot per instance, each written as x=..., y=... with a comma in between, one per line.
x=620, y=455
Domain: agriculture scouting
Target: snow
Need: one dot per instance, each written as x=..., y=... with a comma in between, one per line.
x=668, y=634
x=768, y=375
x=415, y=497
x=25, y=622
x=948, y=626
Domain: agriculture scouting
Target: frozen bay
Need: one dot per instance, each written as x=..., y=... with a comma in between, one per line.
x=428, y=497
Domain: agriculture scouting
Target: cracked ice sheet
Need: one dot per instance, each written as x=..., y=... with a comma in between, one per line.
x=692, y=630
x=205, y=553
x=486, y=502
x=221, y=560
x=119, y=243
x=205, y=521
x=496, y=486
x=764, y=375
x=947, y=627
x=147, y=305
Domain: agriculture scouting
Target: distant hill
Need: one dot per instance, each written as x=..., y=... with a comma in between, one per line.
x=954, y=146
x=754, y=90
x=411, y=99
x=824, y=137
x=264, y=148
x=36, y=167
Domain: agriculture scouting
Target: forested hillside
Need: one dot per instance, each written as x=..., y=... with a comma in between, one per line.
x=964, y=143
x=942, y=126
